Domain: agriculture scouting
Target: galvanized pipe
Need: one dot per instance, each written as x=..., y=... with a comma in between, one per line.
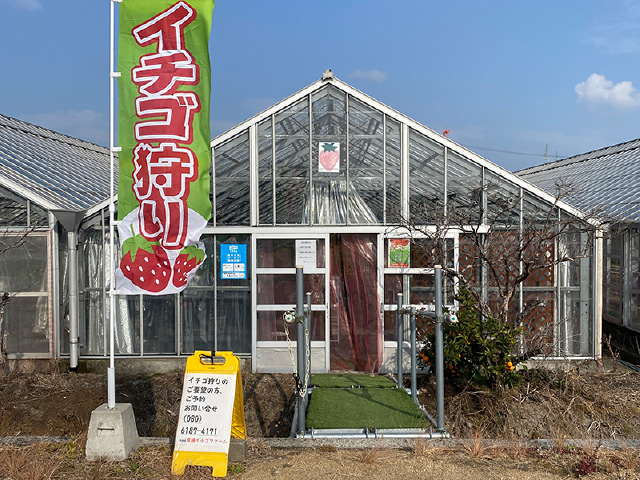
x=400, y=328
x=439, y=353
x=376, y=433
x=414, y=376
x=300, y=345
x=307, y=356
x=72, y=248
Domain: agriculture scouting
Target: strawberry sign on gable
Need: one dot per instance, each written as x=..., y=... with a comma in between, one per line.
x=163, y=194
x=329, y=157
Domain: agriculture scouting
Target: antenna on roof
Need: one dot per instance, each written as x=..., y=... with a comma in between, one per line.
x=327, y=74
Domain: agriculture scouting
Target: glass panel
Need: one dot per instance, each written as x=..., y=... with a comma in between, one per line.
x=292, y=162
x=329, y=112
x=502, y=201
x=37, y=215
x=233, y=320
x=390, y=326
x=92, y=329
x=281, y=253
x=329, y=193
x=159, y=324
x=271, y=327
x=392, y=287
x=23, y=265
x=538, y=321
x=366, y=159
x=612, y=304
x=127, y=335
x=265, y=172
x=634, y=317
x=232, y=181
x=426, y=179
x=422, y=290
x=464, y=190
x=575, y=329
x=27, y=325
x=281, y=289
x=197, y=320
x=392, y=171
x=233, y=308
x=13, y=210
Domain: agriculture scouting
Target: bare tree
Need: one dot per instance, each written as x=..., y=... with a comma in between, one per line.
x=501, y=251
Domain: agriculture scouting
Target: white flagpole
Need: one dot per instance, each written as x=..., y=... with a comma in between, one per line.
x=111, y=374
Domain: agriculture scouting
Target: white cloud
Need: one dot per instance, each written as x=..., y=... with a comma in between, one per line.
x=31, y=5
x=598, y=90
x=85, y=125
x=373, y=75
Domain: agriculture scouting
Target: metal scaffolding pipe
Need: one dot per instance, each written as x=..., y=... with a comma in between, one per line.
x=439, y=353
x=307, y=357
x=376, y=433
x=300, y=347
x=400, y=328
x=414, y=375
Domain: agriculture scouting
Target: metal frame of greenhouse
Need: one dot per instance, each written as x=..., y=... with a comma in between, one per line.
x=269, y=194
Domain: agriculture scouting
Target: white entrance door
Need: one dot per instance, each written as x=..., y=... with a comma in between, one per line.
x=275, y=258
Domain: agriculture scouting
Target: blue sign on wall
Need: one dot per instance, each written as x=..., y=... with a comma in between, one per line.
x=233, y=261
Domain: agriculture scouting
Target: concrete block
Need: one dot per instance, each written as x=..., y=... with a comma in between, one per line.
x=112, y=433
x=237, y=450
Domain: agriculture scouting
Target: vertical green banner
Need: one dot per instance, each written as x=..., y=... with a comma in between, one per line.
x=164, y=133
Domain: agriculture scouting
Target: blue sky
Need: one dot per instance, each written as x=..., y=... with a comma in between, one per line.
x=507, y=78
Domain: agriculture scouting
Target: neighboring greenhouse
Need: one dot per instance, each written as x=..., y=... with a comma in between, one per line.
x=323, y=179
x=607, y=182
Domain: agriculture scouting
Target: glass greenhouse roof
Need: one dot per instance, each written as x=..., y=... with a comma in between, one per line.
x=605, y=180
x=53, y=170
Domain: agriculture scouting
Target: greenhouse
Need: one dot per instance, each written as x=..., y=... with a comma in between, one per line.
x=365, y=199
x=607, y=183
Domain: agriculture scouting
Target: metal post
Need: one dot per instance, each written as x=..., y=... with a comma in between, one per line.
x=400, y=328
x=307, y=356
x=300, y=345
x=414, y=376
x=439, y=352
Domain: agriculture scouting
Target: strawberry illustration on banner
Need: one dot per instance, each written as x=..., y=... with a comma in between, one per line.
x=163, y=131
x=329, y=157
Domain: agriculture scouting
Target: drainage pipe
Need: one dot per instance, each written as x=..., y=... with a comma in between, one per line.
x=300, y=346
x=400, y=328
x=439, y=353
x=414, y=376
x=72, y=249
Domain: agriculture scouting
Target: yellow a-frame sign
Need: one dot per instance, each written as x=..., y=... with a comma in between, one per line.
x=211, y=412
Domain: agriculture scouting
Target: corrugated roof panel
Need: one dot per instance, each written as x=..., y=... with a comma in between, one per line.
x=607, y=179
x=51, y=168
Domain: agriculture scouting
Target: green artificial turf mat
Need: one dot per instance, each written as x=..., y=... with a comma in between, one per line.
x=331, y=380
x=380, y=408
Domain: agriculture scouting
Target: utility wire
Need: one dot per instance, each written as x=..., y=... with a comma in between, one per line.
x=475, y=147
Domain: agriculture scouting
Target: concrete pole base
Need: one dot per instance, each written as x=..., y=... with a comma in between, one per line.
x=112, y=433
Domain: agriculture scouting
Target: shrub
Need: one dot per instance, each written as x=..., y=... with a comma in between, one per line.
x=480, y=350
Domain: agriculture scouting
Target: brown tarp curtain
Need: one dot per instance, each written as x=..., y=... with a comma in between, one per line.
x=356, y=323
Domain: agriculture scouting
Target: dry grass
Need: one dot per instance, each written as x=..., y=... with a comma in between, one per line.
x=18, y=464
x=550, y=405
